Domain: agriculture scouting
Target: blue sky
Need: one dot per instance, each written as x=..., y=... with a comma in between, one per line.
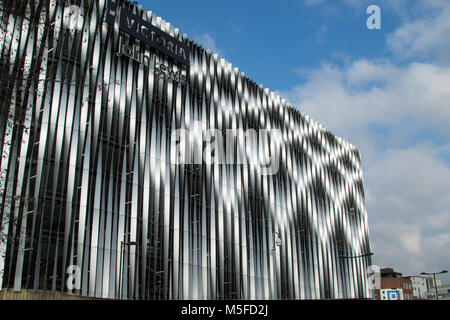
x=386, y=91
x=272, y=43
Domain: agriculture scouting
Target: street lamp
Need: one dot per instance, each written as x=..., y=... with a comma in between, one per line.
x=122, y=244
x=434, y=277
x=368, y=254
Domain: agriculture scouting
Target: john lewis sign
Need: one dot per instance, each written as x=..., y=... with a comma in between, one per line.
x=163, y=71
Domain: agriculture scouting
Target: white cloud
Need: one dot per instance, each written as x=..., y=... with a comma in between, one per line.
x=207, y=41
x=411, y=242
x=410, y=183
x=364, y=92
x=426, y=37
x=408, y=204
x=438, y=223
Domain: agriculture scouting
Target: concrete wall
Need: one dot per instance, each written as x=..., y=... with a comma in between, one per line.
x=9, y=294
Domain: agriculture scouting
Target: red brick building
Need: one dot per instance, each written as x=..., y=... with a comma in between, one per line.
x=394, y=280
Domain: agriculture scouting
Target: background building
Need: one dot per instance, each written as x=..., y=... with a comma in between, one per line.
x=442, y=291
x=430, y=282
x=394, y=287
x=420, y=287
x=93, y=203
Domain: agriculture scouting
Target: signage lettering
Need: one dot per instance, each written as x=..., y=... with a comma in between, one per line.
x=133, y=53
x=160, y=69
x=148, y=34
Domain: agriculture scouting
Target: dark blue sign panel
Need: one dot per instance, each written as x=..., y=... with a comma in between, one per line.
x=148, y=34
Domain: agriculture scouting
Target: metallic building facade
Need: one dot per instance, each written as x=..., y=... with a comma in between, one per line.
x=93, y=193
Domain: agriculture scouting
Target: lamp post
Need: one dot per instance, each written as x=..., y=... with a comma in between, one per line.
x=368, y=254
x=434, y=277
x=122, y=244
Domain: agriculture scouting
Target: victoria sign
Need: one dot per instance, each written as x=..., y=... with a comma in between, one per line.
x=147, y=33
